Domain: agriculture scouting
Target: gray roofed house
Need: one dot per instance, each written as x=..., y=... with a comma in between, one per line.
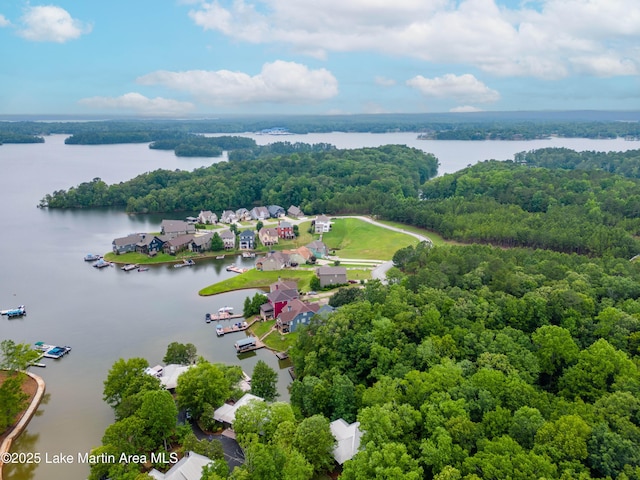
x=126, y=244
x=247, y=240
x=330, y=276
x=273, y=261
x=177, y=244
x=228, y=216
x=207, y=216
x=201, y=243
x=276, y=211
x=294, y=212
x=174, y=228
x=294, y=314
x=259, y=213
x=228, y=238
x=242, y=215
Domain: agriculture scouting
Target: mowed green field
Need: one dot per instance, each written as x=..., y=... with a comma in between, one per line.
x=354, y=238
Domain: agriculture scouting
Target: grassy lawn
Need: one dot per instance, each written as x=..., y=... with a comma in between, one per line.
x=258, y=329
x=141, y=258
x=353, y=238
x=279, y=342
x=256, y=279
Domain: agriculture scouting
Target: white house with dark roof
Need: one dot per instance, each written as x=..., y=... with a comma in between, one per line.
x=243, y=215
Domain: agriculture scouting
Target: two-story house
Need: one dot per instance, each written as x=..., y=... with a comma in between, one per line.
x=259, y=213
x=268, y=236
x=228, y=216
x=175, y=228
x=229, y=239
x=126, y=244
x=322, y=224
x=276, y=211
x=207, y=217
x=294, y=212
x=330, y=276
x=285, y=230
x=247, y=239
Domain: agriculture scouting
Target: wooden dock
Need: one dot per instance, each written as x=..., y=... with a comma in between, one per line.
x=236, y=327
x=282, y=355
x=224, y=316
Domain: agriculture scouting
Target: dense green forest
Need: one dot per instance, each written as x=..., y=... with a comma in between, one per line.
x=328, y=180
x=443, y=126
x=583, y=211
x=483, y=363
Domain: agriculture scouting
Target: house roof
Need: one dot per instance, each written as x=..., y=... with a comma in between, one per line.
x=268, y=231
x=322, y=219
x=304, y=252
x=295, y=307
x=347, y=439
x=283, y=285
x=200, y=240
x=188, y=467
x=227, y=413
x=176, y=226
x=317, y=245
x=170, y=374
x=247, y=234
x=180, y=240
x=331, y=271
x=128, y=240
x=281, y=295
x=274, y=210
x=227, y=234
x=295, y=211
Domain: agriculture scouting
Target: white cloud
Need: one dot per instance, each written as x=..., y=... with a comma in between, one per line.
x=278, y=82
x=3, y=21
x=140, y=104
x=51, y=24
x=523, y=41
x=462, y=88
x=384, y=81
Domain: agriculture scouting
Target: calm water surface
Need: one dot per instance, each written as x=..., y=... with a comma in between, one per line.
x=108, y=314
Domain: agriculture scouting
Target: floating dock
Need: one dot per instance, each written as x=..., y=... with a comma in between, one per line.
x=233, y=268
x=51, y=351
x=236, y=327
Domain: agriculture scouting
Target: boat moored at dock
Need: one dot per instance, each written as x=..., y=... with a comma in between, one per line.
x=15, y=312
x=236, y=327
x=101, y=263
x=92, y=257
x=52, y=351
x=129, y=266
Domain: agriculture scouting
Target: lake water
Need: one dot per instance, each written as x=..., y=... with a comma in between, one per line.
x=108, y=314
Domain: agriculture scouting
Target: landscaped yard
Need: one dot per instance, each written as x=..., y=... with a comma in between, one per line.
x=257, y=279
x=279, y=342
x=354, y=238
x=260, y=328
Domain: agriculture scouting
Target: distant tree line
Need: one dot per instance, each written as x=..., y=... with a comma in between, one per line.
x=327, y=181
x=476, y=126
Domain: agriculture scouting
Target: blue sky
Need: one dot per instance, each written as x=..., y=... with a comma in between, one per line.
x=189, y=57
